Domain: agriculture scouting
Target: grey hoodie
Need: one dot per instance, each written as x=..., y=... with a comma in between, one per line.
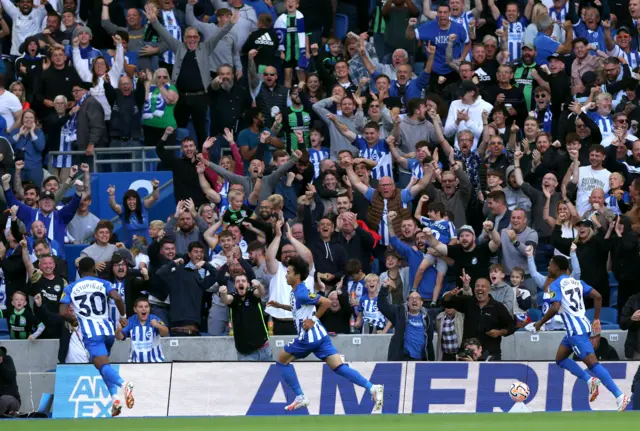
x=412, y=132
x=504, y=293
x=338, y=142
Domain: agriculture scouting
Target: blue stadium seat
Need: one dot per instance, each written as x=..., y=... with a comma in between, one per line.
x=4, y=329
x=534, y=314
x=610, y=326
x=608, y=315
x=342, y=25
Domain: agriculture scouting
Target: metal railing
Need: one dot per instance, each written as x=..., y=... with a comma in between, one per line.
x=99, y=152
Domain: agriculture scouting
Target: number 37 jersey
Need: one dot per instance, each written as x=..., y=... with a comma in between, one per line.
x=89, y=298
x=570, y=293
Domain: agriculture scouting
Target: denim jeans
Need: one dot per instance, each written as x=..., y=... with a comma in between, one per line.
x=263, y=354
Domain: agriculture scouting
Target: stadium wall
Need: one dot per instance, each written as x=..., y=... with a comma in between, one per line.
x=254, y=389
x=42, y=355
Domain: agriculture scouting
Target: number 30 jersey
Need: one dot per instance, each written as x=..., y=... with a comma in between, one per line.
x=570, y=293
x=89, y=298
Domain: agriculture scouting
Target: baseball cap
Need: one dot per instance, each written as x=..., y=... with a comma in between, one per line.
x=529, y=45
x=45, y=194
x=585, y=223
x=554, y=55
x=623, y=29
x=125, y=255
x=465, y=228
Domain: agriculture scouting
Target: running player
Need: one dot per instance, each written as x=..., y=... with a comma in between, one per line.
x=89, y=297
x=567, y=295
x=313, y=338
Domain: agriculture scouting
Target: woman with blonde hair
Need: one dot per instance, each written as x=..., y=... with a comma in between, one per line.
x=567, y=217
x=17, y=88
x=100, y=73
x=530, y=33
x=28, y=141
x=593, y=254
x=370, y=318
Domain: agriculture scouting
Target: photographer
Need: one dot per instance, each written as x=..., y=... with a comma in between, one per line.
x=471, y=351
x=9, y=395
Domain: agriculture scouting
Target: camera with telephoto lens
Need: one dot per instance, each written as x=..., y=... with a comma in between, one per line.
x=466, y=353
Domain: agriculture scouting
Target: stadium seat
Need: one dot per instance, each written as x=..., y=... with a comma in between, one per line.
x=342, y=25
x=610, y=326
x=608, y=315
x=4, y=329
x=534, y=314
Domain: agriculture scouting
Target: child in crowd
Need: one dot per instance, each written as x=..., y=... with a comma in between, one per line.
x=145, y=330
x=293, y=42
x=237, y=211
x=616, y=193
x=370, y=318
x=354, y=281
x=445, y=232
x=23, y=324
x=334, y=54
x=317, y=152
x=522, y=295
x=265, y=41
x=500, y=290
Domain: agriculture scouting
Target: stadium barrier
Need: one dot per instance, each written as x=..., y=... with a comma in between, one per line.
x=254, y=389
x=42, y=355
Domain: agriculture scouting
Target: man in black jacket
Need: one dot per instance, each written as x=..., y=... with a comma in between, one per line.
x=412, y=340
x=485, y=318
x=336, y=319
x=186, y=284
x=91, y=130
x=9, y=394
x=185, y=176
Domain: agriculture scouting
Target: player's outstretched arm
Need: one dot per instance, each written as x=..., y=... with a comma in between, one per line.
x=597, y=303
x=275, y=304
x=552, y=311
x=322, y=306
x=113, y=294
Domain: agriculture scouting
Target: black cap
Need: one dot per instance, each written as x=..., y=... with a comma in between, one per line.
x=393, y=102
x=45, y=194
x=624, y=29
x=123, y=254
x=586, y=223
x=554, y=55
x=85, y=85
x=468, y=85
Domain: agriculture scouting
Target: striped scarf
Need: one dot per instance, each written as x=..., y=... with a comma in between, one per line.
x=155, y=104
x=69, y=131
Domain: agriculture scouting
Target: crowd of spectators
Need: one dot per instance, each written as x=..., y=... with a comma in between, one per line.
x=427, y=164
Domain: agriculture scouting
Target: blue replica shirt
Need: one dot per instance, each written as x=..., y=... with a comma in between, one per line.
x=145, y=340
x=545, y=46
x=443, y=230
x=605, y=124
x=611, y=202
x=246, y=138
x=414, y=336
x=89, y=297
x=414, y=257
x=370, y=313
x=356, y=286
x=431, y=32
x=411, y=90
x=570, y=293
x=379, y=153
x=303, y=306
x=516, y=34
x=594, y=37
x=315, y=157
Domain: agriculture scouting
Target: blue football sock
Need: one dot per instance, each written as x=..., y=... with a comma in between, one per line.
x=604, y=376
x=353, y=376
x=110, y=376
x=290, y=376
x=575, y=369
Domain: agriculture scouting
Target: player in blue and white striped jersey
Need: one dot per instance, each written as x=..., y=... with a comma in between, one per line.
x=89, y=296
x=312, y=337
x=368, y=312
x=567, y=298
x=145, y=330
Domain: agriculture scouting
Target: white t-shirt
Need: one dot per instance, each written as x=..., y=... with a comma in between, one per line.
x=588, y=181
x=280, y=291
x=9, y=104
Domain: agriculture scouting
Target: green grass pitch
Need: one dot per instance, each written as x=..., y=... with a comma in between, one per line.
x=455, y=422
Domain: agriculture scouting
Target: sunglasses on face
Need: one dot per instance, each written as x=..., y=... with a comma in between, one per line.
x=269, y=74
x=540, y=96
x=621, y=120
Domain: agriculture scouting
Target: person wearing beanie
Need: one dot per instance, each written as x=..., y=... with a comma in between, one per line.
x=83, y=34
